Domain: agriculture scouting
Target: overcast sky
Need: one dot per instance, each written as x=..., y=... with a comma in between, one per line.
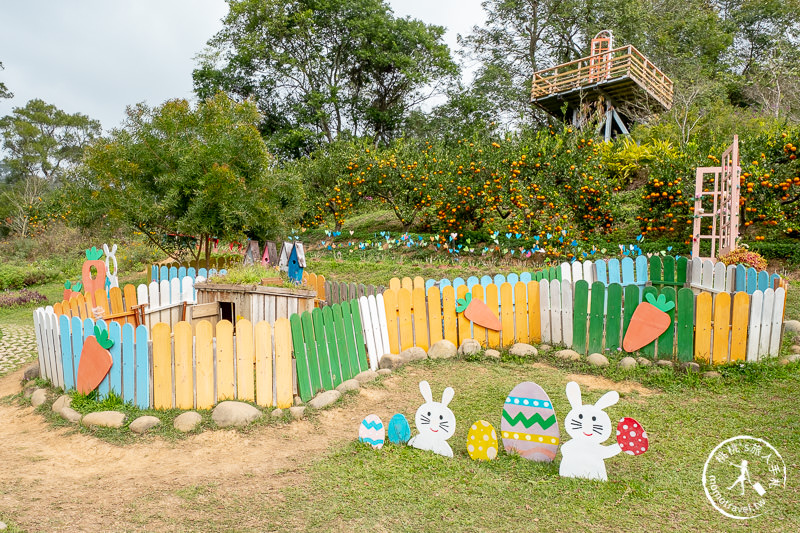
x=97, y=56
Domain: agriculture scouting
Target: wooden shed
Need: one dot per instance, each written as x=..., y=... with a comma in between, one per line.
x=251, y=302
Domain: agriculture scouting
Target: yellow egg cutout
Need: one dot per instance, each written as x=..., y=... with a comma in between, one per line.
x=482, y=441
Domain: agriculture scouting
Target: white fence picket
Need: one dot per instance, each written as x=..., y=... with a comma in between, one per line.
x=754, y=327
x=777, y=321
x=566, y=314
x=555, y=311
x=766, y=322
x=544, y=309
x=369, y=334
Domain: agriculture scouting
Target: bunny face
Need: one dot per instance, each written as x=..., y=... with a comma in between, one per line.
x=434, y=419
x=588, y=422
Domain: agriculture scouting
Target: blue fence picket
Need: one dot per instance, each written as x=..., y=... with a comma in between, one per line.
x=752, y=280
x=66, y=352
x=88, y=331
x=77, y=344
x=173, y=272
x=525, y=277
x=600, y=271
x=202, y=273
x=740, y=282
x=499, y=279
x=181, y=272
x=614, y=271
x=115, y=373
x=772, y=280
x=163, y=273
x=191, y=272
x=128, y=364
x=142, y=368
x=763, y=280
x=472, y=281
x=641, y=271
x=486, y=281
x=428, y=284
x=457, y=283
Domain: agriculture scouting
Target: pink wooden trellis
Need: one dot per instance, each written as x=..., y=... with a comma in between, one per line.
x=723, y=202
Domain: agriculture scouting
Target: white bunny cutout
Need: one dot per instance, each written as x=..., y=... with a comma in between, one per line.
x=112, y=279
x=435, y=422
x=584, y=456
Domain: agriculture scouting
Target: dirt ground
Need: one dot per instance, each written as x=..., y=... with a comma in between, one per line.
x=51, y=478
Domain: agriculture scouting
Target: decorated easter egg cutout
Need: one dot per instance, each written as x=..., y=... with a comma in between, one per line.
x=482, y=441
x=631, y=437
x=399, y=431
x=372, y=432
x=529, y=426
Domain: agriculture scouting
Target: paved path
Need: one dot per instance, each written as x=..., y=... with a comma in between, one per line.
x=18, y=346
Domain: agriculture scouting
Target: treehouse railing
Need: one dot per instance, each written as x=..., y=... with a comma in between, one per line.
x=614, y=64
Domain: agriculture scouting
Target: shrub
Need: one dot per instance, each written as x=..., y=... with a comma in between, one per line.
x=23, y=297
x=745, y=257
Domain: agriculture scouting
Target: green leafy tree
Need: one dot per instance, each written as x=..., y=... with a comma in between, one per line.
x=322, y=68
x=43, y=144
x=180, y=171
x=4, y=92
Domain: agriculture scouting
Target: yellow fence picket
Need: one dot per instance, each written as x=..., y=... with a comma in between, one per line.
x=449, y=320
x=478, y=332
x=420, y=318
x=390, y=304
x=162, y=366
x=521, y=313
x=225, y=376
x=321, y=288
x=129, y=292
x=702, y=334
x=404, y=318
x=115, y=301
x=739, y=324
x=534, y=313
x=184, y=366
x=204, y=364
x=407, y=284
x=101, y=300
x=435, y=315
x=263, y=355
x=722, y=327
x=507, y=314
x=394, y=284
x=283, y=363
x=492, y=301
x=419, y=281
x=245, y=361
x=464, y=325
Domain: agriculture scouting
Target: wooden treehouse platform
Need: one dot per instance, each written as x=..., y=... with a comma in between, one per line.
x=619, y=76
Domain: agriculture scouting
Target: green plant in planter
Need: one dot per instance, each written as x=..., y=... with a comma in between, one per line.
x=253, y=274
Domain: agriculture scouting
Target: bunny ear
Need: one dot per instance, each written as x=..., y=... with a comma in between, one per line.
x=425, y=389
x=105, y=248
x=574, y=395
x=447, y=395
x=113, y=250
x=607, y=400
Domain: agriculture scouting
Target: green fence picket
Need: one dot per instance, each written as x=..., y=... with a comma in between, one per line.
x=579, y=319
x=669, y=269
x=326, y=377
x=341, y=342
x=597, y=318
x=333, y=349
x=631, y=302
x=614, y=317
x=361, y=353
x=650, y=349
x=683, y=268
x=303, y=376
x=685, y=328
x=311, y=352
x=666, y=341
x=350, y=339
x=656, y=276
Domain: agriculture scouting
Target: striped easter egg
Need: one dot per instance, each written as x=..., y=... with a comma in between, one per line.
x=529, y=426
x=372, y=432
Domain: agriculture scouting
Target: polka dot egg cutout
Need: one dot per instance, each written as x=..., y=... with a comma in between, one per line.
x=482, y=441
x=529, y=426
x=631, y=437
x=372, y=432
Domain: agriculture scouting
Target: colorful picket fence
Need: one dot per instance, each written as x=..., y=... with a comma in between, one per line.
x=710, y=328
x=60, y=342
x=329, y=347
x=159, y=273
x=589, y=318
x=338, y=292
x=150, y=304
x=195, y=368
x=716, y=277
